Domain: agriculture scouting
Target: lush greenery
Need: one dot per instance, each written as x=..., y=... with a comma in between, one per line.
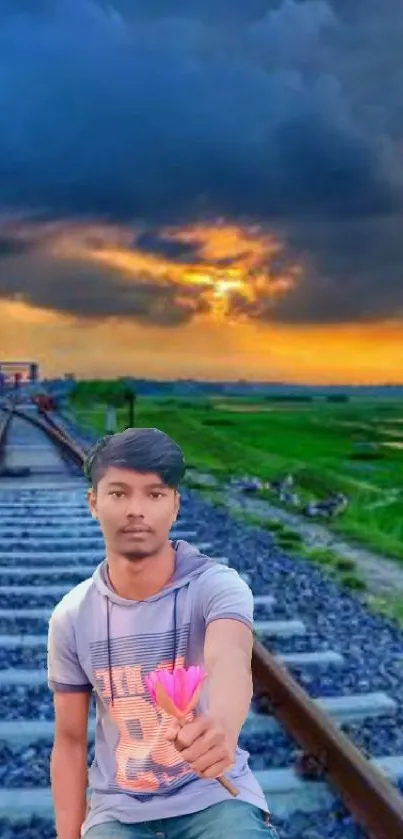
x=327, y=446
x=100, y=392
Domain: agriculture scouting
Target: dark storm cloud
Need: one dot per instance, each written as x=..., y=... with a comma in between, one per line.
x=169, y=119
x=354, y=273
x=228, y=13
x=286, y=113
x=77, y=289
x=11, y=246
x=176, y=250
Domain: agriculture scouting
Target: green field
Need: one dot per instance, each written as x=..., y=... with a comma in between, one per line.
x=355, y=447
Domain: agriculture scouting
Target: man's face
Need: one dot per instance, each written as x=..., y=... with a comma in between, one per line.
x=135, y=511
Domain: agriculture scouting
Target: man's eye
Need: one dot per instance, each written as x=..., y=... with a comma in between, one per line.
x=117, y=492
x=156, y=494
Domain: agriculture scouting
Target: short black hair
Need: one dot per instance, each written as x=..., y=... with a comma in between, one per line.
x=141, y=449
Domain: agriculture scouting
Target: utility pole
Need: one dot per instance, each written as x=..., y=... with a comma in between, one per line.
x=131, y=399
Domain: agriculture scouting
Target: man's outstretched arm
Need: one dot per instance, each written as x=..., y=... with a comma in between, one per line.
x=227, y=657
x=208, y=743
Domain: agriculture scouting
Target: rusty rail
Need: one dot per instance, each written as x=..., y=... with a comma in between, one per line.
x=58, y=435
x=49, y=422
x=372, y=800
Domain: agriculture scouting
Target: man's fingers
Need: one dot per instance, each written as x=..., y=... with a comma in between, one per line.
x=178, y=745
x=172, y=731
x=215, y=771
x=192, y=731
x=201, y=746
x=209, y=761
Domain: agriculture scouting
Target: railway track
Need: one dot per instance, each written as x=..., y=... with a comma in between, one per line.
x=49, y=543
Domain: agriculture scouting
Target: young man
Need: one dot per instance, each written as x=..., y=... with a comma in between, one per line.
x=153, y=602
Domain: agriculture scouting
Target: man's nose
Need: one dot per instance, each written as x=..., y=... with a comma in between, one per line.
x=135, y=508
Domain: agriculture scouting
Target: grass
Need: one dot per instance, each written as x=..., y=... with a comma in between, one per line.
x=322, y=556
x=326, y=446
x=345, y=564
x=353, y=582
x=341, y=569
x=286, y=541
x=391, y=608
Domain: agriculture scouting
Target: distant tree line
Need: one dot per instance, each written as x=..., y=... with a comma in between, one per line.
x=306, y=397
x=108, y=392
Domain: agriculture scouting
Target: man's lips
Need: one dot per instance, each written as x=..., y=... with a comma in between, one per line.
x=136, y=529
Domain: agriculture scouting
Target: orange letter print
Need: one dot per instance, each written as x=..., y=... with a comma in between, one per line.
x=131, y=709
x=142, y=740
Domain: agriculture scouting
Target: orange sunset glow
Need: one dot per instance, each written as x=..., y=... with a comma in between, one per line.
x=212, y=344
x=245, y=249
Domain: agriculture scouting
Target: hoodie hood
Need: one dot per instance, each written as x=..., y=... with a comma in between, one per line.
x=190, y=563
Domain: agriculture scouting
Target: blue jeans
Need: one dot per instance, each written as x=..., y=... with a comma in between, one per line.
x=227, y=820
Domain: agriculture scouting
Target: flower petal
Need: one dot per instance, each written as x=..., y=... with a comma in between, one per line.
x=194, y=699
x=165, y=702
x=182, y=688
x=196, y=675
x=166, y=679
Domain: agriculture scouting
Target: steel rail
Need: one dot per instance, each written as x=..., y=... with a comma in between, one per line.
x=373, y=801
x=56, y=434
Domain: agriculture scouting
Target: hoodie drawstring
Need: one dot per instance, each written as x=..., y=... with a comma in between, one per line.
x=175, y=629
x=109, y=649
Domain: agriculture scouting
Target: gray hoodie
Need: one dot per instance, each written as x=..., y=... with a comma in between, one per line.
x=101, y=642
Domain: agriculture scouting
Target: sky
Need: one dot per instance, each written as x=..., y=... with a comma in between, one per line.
x=202, y=188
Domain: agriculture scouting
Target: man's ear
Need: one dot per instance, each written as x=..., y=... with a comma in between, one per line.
x=177, y=503
x=92, y=502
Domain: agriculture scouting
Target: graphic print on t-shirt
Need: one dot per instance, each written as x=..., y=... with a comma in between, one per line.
x=146, y=763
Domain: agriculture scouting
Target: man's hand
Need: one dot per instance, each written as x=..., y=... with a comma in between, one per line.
x=204, y=745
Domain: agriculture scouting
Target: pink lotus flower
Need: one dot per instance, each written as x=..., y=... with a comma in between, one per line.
x=177, y=693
